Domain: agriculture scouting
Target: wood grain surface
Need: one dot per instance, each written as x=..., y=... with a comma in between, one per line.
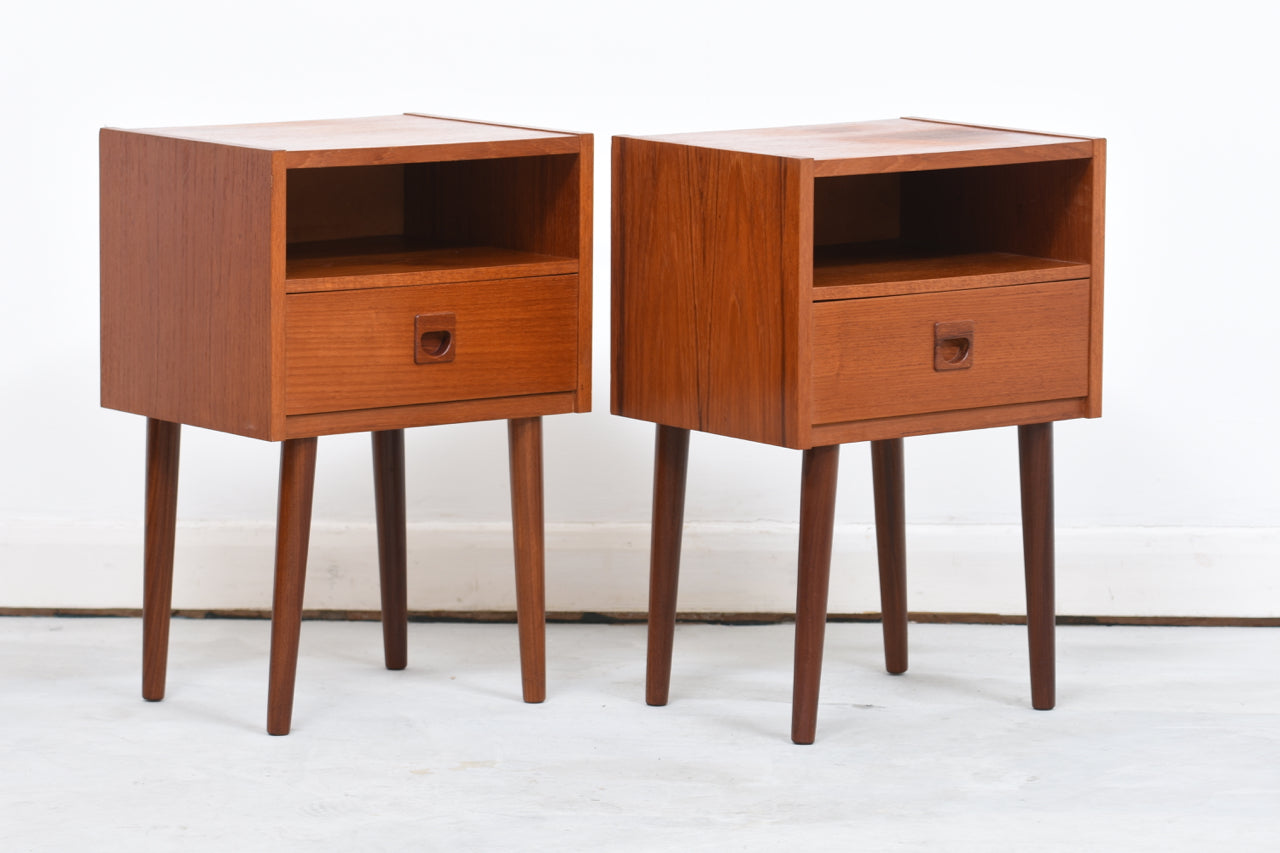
x=164, y=440
x=874, y=358
x=397, y=261
x=889, y=485
x=524, y=440
x=293, y=535
x=584, y=172
x=670, y=470
x=856, y=271
x=355, y=349
x=186, y=266
x=701, y=316
x=891, y=145
x=207, y=232
x=379, y=140
x=389, y=507
x=1097, y=178
x=818, y=476
x=430, y=414
x=1035, y=463
x=873, y=429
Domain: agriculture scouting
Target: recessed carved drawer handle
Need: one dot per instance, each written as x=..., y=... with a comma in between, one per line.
x=953, y=345
x=433, y=338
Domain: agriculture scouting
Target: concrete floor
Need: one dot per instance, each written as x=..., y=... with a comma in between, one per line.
x=1164, y=739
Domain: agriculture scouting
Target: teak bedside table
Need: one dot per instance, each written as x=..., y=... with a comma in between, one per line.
x=286, y=281
x=811, y=286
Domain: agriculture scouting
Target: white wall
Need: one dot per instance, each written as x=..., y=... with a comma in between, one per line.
x=1171, y=498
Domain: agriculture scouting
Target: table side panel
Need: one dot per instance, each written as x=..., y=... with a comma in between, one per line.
x=279, y=274
x=797, y=301
x=584, y=172
x=701, y=326
x=1098, y=182
x=186, y=281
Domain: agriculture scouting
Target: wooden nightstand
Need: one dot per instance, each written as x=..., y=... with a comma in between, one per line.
x=286, y=281
x=811, y=286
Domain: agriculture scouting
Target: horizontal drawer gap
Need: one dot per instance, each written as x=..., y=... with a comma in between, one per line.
x=395, y=260
x=859, y=271
x=930, y=423
x=429, y=414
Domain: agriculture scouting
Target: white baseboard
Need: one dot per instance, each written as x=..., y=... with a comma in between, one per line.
x=728, y=568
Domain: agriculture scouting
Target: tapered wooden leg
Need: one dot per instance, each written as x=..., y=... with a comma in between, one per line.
x=525, y=439
x=817, y=521
x=388, y=492
x=293, y=532
x=1035, y=457
x=670, y=466
x=891, y=548
x=163, y=439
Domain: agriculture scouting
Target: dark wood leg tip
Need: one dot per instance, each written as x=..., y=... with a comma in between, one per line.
x=896, y=669
x=535, y=696
x=153, y=698
x=279, y=719
x=802, y=738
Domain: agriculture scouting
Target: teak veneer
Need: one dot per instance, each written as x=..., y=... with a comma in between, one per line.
x=812, y=286
x=291, y=280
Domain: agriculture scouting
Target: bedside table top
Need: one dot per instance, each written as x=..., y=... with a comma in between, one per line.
x=381, y=139
x=892, y=145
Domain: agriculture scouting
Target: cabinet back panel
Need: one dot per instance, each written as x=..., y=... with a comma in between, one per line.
x=342, y=202
x=1040, y=209
x=528, y=203
x=856, y=209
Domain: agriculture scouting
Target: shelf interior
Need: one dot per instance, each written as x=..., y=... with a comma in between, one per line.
x=424, y=223
x=951, y=229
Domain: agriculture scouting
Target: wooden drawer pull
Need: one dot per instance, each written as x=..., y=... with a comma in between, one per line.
x=433, y=338
x=953, y=345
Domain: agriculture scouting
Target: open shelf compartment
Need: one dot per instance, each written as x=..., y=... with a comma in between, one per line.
x=950, y=229
x=351, y=227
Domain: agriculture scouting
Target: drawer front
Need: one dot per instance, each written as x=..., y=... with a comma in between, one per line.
x=905, y=355
x=396, y=346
